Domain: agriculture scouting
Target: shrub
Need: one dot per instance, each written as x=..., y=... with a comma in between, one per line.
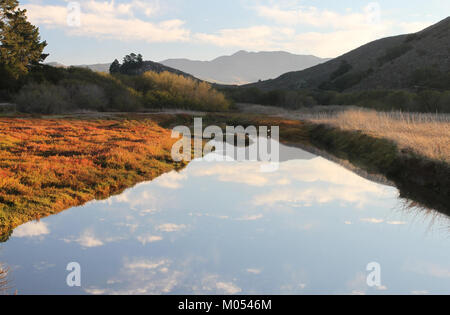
x=444, y=102
x=400, y=100
x=427, y=78
x=428, y=101
x=172, y=90
x=43, y=98
x=86, y=95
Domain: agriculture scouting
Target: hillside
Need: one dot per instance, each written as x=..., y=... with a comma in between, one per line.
x=245, y=67
x=400, y=62
x=147, y=66
x=100, y=67
x=158, y=68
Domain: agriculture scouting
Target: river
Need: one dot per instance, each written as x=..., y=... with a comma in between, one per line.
x=226, y=227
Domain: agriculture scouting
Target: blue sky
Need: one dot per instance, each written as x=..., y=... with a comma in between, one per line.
x=205, y=29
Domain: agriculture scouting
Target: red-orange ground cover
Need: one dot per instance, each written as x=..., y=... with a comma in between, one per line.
x=47, y=166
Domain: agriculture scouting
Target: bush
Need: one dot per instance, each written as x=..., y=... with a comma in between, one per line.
x=43, y=98
x=428, y=101
x=81, y=88
x=166, y=89
x=86, y=95
x=444, y=102
x=427, y=78
x=400, y=100
x=381, y=100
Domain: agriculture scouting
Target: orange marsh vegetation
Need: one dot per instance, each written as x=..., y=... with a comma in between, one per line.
x=48, y=165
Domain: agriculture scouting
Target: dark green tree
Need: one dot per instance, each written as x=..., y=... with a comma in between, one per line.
x=115, y=67
x=20, y=43
x=131, y=63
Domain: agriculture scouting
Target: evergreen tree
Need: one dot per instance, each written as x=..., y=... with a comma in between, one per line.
x=131, y=63
x=20, y=43
x=115, y=67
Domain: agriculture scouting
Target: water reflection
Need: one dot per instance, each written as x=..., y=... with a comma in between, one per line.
x=3, y=278
x=227, y=228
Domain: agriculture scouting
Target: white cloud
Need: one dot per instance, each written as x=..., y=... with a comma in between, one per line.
x=140, y=276
x=112, y=21
x=439, y=271
x=329, y=34
x=310, y=196
x=372, y=220
x=145, y=239
x=243, y=173
x=290, y=27
x=311, y=16
x=31, y=229
x=251, y=217
x=145, y=212
x=429, y=269
x=43, y=265
x=88, y=240
x=324, y=181
x=396, y=223
x=170, y=227
x=255, y=37
x=171, y=180
x=212, y=283
x=149, y=8
x=358, y=284
x=228, y=287
x=144, y=264
x=378, y=221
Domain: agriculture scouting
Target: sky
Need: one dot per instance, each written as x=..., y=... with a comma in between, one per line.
x=99, y=31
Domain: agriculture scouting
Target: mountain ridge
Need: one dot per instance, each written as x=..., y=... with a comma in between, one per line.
x=147, y=66
x=387, y=63
x=243, y=67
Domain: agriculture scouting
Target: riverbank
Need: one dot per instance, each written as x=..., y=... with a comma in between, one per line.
x=427, y=135
x=49, y=165
x=422, y=180
x=418, y=178
x=411, y=150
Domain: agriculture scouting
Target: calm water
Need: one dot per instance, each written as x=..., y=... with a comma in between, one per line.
x=312, y=227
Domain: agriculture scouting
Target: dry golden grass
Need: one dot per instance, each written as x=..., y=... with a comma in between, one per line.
x=426, y=134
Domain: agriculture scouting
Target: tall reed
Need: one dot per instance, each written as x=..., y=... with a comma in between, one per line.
x=426, y=134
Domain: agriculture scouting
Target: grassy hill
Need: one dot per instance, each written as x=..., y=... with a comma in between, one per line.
x=401, y=62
